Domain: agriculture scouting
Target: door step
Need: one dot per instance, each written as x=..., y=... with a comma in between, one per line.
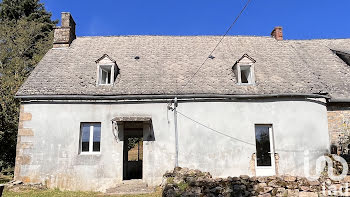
x=131, y=187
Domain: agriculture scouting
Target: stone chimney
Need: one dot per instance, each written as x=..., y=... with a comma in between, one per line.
x=277, y=33
x=64, y=35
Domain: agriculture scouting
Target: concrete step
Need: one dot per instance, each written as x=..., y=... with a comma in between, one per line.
x=130, y=187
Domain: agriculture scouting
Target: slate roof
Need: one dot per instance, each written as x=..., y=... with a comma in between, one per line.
x=167, y=62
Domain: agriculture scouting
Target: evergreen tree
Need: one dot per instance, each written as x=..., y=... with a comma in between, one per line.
x=26, y=33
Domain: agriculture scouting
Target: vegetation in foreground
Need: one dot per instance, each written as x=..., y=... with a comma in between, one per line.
x=26, y=33
x=41, y=193
x=56, y=193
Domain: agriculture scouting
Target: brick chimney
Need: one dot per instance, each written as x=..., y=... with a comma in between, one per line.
x=64, y=35
x=277, y=33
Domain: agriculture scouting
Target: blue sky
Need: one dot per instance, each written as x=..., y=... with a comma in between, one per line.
x=300, y=19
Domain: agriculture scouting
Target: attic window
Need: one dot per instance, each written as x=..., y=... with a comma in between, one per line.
x=345, y=56
x=107, y=70
x=105, y=75
x=244, y=70
x=246, y=76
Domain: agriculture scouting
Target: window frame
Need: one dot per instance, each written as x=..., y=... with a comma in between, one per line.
x=244, y=61
x=109, y=74
x=266, y=170
x=251, y=77
x=105, y=61
x=91, y=139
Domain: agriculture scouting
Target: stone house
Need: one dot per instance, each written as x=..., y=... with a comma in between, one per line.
x=97, y=111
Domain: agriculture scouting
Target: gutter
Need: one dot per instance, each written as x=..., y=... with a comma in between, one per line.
x=185, y=96
x=339, y=100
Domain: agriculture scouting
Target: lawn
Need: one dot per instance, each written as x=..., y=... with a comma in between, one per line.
x=23, y=191
x=56, y=192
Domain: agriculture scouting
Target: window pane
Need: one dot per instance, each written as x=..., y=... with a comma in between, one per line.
x=109, y=77
x=262, y=136
x=105, y=73
x=135, y=149
x=103, y=77
x=245, y=74
x=97, y=137
x=85, y=136
x=244, y=77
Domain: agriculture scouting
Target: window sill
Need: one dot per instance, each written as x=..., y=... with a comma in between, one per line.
x=90, y=153
x=246, y=84
x=105, y=84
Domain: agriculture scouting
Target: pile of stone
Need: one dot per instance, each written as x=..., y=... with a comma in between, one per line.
x=187, y=182
x=20, y=186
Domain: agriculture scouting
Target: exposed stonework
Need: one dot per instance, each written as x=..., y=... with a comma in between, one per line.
x=252, y=163
x=21, y=158
x=64, y=35
x=25, y=132
x=277, y=158
x=187, y=182
x=339, y=125
x=277, y=33
x=25, y=116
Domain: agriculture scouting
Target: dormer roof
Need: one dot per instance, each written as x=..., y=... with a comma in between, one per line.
x=105, y=56
x=344, y=55
x=245, y=59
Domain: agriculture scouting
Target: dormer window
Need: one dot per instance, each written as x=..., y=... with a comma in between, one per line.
x=345, y=56
x=244, y=70
x=107, y=70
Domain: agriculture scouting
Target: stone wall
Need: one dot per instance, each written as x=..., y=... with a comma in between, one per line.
x=23, y=144
x=186, y=182
x=339, y=125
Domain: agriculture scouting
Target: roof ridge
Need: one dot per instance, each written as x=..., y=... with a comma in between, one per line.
x=317, y=39
x=253, y=36
x=108, y=36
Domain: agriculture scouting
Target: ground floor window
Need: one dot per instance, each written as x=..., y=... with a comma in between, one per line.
x=90, y=137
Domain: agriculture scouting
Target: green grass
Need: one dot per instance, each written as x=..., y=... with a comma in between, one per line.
x=56, y=192
x=183, y=186
x=41, y=193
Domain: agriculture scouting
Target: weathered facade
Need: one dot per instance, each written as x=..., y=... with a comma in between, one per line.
x=339, y=127
x=256, y=107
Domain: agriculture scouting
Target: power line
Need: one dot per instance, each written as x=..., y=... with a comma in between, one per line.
x=221, y=133
x=245, y=6
x=214, y=129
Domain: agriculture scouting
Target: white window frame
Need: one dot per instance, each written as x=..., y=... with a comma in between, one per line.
x=244, y=61
x=251, y=77
x=108, y=76
x=266, y=170
x=91, y=139
x=105, y=61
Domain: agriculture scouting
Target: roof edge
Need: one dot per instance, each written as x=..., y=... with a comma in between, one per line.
x=183, y=96
x=339, y=100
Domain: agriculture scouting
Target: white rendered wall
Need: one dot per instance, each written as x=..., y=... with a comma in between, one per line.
x=55, y=160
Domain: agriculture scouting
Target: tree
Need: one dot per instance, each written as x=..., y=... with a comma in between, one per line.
x=26, y=33
x=30, y=9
